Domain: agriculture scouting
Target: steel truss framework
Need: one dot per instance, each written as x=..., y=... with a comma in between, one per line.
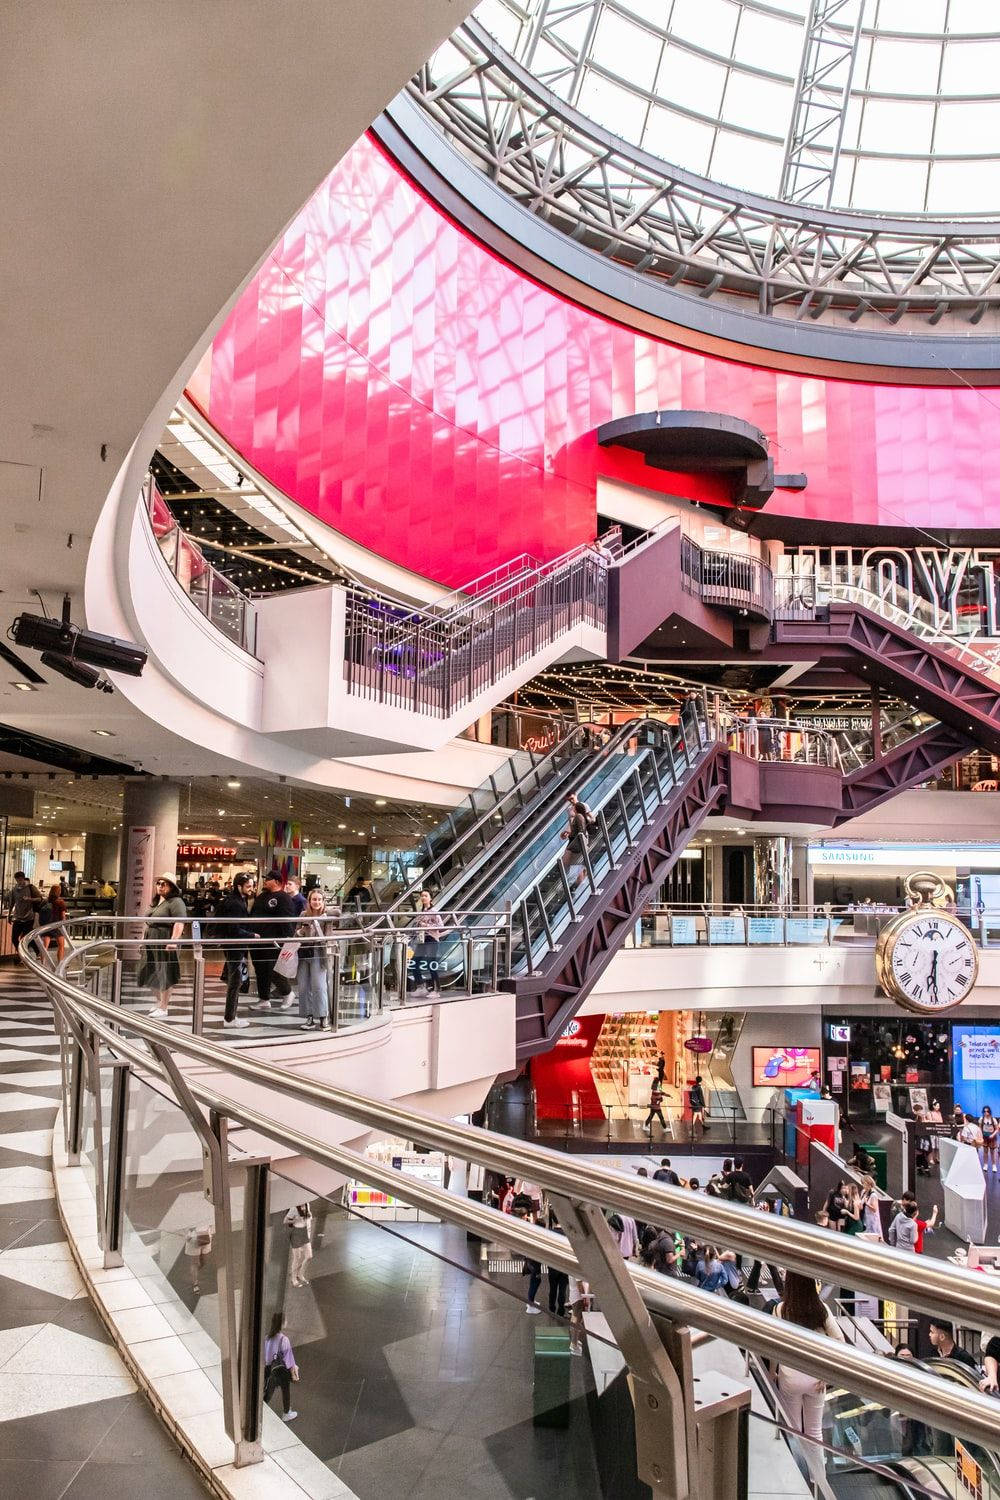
x=686, y=231
x=822, y=92
x=916, y=670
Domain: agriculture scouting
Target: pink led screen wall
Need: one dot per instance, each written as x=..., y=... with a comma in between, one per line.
x=432, y=403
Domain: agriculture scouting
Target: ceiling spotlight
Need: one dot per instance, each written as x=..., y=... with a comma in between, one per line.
x=107, y=734
x=341, y=825
x=24, y=687
x=234, y=785
x=380, y=801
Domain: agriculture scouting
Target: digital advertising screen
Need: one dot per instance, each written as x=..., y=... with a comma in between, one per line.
x=784, y=1067
x=975, y=1066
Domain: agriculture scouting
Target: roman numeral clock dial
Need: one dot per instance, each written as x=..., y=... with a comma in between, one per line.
x=926, y=959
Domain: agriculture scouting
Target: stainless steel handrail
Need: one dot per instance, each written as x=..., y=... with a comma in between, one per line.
x=941, y=1288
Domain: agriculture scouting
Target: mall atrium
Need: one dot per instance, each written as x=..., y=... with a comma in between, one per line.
x=500, y=749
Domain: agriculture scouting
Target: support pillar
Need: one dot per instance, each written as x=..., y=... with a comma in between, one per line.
x=802, y=874
x=772, y=871
x=150, y=815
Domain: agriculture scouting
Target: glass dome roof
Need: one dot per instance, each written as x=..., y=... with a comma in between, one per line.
x=900, y=98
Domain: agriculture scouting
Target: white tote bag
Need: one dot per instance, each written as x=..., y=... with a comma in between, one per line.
x=287, y=963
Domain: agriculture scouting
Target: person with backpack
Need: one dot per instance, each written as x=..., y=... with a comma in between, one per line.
x=235, y=907
x=280, y=1368
x=579, y=822
x=699, y=1104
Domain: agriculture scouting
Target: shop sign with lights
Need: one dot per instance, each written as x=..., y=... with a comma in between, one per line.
x=206, y=851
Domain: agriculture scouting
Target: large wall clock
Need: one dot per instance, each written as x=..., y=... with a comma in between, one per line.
x=926, y=959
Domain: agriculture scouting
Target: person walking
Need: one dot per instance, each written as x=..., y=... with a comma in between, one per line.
x=160, y=968
x=57, y=903
x=871, y=1217
x=579, y=821
x=699, y=1104
x=298, y=1221
x=655, y=1107
x=558, y=1291
x=311, y=980
x=988, y=1131
x=803, y=1395
x=271, y=903
x=661, y=1068
x=280, y=1368
x=235, y=907
x=25, y=899
x=430, y=926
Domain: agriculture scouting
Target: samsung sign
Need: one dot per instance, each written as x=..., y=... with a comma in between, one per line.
x=911, y=856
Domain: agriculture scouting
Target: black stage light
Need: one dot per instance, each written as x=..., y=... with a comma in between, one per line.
x=87, y=677
x=66, y=639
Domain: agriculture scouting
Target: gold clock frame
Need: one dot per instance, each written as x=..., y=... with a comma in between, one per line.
x=927, y=888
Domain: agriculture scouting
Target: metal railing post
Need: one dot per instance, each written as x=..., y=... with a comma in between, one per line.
x=116, y=981
x=74, y=1116
x=335, y=987
x=469, y=946
x=250, y=1346
x=114, y=1203
x=198, y=995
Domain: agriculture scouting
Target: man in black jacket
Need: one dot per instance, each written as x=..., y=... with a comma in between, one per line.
x=273, y=901
x=235, y=904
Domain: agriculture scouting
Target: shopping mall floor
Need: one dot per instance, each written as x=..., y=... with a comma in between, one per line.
x=72, y=1424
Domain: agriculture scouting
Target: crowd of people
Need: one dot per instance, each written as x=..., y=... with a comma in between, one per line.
x=276, y=933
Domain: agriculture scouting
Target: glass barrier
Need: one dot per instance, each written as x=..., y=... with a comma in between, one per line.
x=420, y=1368
x=229, y=610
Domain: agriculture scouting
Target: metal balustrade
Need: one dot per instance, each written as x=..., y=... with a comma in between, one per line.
x=650, y=1316
x=435, y=665
x=729, y=580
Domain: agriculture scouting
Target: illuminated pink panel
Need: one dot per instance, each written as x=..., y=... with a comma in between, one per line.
x=426, y=399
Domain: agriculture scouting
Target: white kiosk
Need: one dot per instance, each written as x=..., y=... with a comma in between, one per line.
x=964, y=1191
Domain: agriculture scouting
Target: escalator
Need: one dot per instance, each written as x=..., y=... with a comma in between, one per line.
x=916, y=1458
x=649, y=788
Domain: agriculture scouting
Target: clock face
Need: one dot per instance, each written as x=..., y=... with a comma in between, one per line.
x=932, y=962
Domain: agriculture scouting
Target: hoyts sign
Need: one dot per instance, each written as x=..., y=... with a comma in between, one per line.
x=206, y=851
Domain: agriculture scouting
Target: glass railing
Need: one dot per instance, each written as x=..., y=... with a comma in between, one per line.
x=211, y=592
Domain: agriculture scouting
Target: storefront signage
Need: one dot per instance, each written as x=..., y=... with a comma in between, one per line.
x=765, y=930
x=206, y=851
x=838, y=723
x=958, y=582
x=727, y=929
x=986, y=857
x=683, y=931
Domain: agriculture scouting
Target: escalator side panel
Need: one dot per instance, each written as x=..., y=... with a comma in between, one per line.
x=548, y=997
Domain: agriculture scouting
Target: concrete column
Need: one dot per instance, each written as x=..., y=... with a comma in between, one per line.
x=149, y=840
x=101, y=858
x=772, y=871
x=802, y=872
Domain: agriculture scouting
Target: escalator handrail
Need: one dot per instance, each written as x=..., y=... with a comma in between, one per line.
x=513, y=850
x=578, y=733
x=627, y=732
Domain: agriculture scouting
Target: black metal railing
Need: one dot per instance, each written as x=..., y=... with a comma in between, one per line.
x=435, y=664
x=729, y=580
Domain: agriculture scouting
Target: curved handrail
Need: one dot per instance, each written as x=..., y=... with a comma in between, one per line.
x=941, y=1289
